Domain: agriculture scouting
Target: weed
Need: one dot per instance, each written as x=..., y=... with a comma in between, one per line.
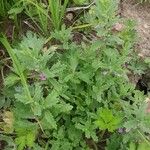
x=42, y=13
x=57, y=10
x=61, y=95
x=5, y=6
x=144, y=1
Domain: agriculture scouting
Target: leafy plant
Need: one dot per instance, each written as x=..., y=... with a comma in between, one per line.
x=106, y=120
x=5, y=6
x=38, y=13
x=64, y=95
x=57, y=10
x=144, y=1
x=43, y=14
x=79, y=2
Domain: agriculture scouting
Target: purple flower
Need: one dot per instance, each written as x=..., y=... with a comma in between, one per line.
x=42, y=77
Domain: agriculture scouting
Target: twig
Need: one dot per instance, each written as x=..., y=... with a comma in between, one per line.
x=80, y=8
x=95, y=146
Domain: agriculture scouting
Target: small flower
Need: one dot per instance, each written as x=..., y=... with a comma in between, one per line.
x=42, y=77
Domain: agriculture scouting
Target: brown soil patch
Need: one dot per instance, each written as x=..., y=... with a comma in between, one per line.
x=141, y=14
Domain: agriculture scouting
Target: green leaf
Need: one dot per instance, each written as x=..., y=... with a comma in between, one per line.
x=37, y=109
x=79, y=2
x=50, y=119
x=33, y=42
x=52, y=99
x=21, y=142
x=84, y=77
x=26, y=140
x=22, y=111
x=30, y=138
x=55, y=70
x=25, y=133
x=38, y=93
x=106, y=120
x=11, y=80
x=143, y=146
x=22, y=97
x=63, y=107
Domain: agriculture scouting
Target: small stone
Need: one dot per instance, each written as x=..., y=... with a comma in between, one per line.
x=70, y=16
x=118, y=27
x=146, y=26
x=141, y=55
x=147, y=99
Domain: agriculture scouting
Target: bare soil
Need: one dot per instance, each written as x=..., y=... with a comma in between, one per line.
x=141, y=14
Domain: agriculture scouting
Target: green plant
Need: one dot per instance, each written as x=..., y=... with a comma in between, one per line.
x=80, y=2
x=106, y=120
x=8, y=11
x=66, y=94
x=144, y=1
x=36, y=11
x=5, y=6
x=44, y=15
x=57, y=10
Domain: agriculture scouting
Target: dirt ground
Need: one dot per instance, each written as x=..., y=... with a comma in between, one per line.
x=141, y=14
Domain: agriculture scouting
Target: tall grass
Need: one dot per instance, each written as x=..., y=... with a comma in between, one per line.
x=5, y=5
x=45, y=13
x=38, y=13
x=57, y=10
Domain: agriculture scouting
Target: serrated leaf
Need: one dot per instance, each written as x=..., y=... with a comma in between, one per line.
x=38, y=93
x=52, y=99
x=55, y=70
x=106, y=120
x=22, y=111
x=73, y=62
x=30, y=138
x=50, y=119
x=33, y=42
x=84, y=77
x=21, y=142
x=26, y=140
x=64, y=107
x=131, y=124
x=55, y=145
x=37, y=109
x=11, y=80
x=22, y=97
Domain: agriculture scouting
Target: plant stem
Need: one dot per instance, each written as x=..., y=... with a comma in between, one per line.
x=95, y=146
x=148, y=142
x=80, y=8
x=18, y=67
x=82, y=26
x=101, y=135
